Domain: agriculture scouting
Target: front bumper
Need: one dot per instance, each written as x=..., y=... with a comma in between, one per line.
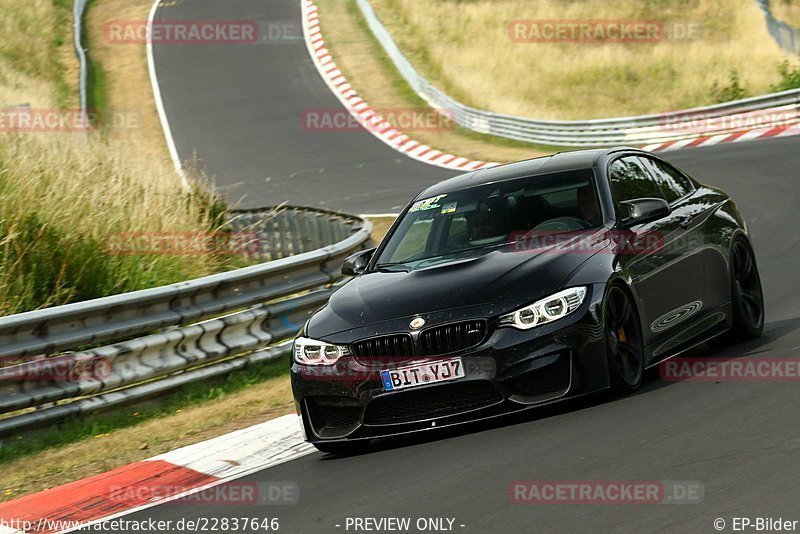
x=510, y=371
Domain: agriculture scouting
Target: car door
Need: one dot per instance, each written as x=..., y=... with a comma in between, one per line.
x=693, y=209
x=667, y=278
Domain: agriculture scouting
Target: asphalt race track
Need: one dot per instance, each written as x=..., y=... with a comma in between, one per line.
x=238, y=108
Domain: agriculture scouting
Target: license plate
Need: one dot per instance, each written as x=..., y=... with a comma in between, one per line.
x=421, y=374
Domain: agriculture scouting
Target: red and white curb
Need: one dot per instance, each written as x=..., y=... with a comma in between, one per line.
x=737, y=137
x=167, y=477
x=363, y=112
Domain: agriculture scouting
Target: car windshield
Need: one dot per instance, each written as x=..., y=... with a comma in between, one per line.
x=476, y=220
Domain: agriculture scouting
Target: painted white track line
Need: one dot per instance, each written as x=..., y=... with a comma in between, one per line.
x=162, y=115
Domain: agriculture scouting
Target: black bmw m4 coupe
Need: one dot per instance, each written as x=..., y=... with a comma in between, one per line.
x=521, y=285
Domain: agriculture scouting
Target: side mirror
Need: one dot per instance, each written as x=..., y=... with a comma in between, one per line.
x=356, y=263
x=643, y=210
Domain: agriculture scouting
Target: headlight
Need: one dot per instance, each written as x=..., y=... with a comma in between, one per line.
x=313, y=352
x=546, y=310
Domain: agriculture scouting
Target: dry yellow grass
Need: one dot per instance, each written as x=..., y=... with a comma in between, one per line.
x=104, y=452
x=787, y=10
x=465, y=48
x=62, y=193
x=127, y=80
x=377, y=81
x=36, y=55
x=36, y=40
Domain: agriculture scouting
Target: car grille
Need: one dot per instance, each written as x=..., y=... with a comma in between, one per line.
x=431, y=402
x=453, y=337
x=550, y=380
x=333, y=417
x=392, y=348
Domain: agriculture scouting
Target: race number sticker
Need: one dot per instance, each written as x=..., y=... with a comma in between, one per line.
x=426, y=204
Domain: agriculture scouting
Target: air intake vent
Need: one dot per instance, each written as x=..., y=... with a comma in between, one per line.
x=437, y=401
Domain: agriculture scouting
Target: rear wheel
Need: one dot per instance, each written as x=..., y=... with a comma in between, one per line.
x=747, y=297
x=347, y=448
x=623, y=342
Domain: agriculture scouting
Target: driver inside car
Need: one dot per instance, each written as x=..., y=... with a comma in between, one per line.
x=587, y=205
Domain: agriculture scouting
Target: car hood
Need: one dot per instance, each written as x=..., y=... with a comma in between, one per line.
x=485, y=286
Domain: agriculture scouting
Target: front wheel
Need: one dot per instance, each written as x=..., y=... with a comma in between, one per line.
x=747, y=297
x=623, y=342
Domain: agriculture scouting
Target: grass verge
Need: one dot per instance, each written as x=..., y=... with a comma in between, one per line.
x=63, y=193
x=79, y=448
x=96, y=90
x=82, y=447
x=467, y=50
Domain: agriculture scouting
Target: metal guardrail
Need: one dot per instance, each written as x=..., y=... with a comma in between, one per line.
x=787, y=37
x=87, y=356
x=289, y=230
x=158, y=345
x=644, y=129
x=78, y=7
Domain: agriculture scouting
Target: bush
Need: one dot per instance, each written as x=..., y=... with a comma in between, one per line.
x=790, y=77
x=734, y=90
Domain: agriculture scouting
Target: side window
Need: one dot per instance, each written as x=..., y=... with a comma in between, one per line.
x=415, y=241
x=673, y=183
x=630, y=180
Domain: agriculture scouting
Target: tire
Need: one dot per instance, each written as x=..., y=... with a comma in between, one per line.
x=343, y=448
x=747, y=296
x=623, y=337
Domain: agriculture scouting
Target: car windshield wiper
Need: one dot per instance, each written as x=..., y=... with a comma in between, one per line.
x=380, y=266
x=457, y=253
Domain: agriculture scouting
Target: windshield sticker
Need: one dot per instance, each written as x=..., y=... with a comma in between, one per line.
x=427, y=204
x=450, y=207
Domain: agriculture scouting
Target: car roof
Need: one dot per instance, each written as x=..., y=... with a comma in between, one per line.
x=561, y=161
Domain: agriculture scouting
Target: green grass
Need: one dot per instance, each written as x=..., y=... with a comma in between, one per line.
x=63, y=194
x=62, y=197
x=77, y=429
x=96, y=87
x=789, y=77
x=33, y=35
x=63, y=12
